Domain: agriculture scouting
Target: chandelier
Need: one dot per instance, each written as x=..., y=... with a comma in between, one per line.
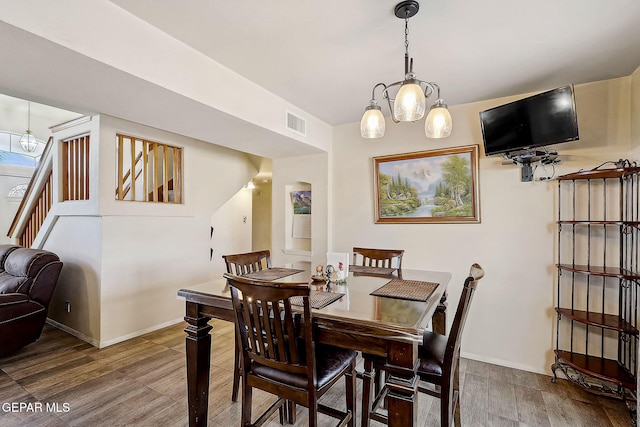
x=409, y=103
x=27, y=140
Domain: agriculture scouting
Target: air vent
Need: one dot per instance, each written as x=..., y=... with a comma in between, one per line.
x=296, y=124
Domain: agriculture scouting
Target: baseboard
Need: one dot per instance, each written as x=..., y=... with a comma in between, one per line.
x=140, y=332
x=73, y=332
x=102, y=344
x=506, y=363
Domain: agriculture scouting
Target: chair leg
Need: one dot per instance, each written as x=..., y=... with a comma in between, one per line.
x=456, y=393
x=367, y=391
x=237, y=363
x=377, y=381
x=291, y=412
x=446, y=397
x=281, y=411
x=246, y=403
x=313, y=410
x=350, y=391
x=380, y=378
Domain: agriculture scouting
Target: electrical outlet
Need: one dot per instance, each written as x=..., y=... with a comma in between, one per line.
x=67, y=306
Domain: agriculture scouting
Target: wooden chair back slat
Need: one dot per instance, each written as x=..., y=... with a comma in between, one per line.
x=240, y=264
x=382, y=258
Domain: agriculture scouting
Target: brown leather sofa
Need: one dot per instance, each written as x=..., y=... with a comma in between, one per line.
x=27, y=280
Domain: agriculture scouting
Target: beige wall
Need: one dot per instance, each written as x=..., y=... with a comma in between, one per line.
x=512, y=318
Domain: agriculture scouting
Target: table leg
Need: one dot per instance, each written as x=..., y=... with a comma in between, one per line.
x=367, y=392
x=402, y=383
x=198, y=346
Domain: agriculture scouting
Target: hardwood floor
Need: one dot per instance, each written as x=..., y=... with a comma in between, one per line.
x=142, y=382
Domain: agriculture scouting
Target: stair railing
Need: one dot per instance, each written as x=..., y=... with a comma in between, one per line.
x=39, y=209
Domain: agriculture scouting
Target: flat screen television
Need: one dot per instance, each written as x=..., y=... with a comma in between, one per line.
x=543, y=119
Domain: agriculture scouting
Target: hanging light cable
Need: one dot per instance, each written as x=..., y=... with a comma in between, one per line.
x=409, y=104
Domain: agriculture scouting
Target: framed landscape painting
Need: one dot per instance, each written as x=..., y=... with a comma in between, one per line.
x=437, y=186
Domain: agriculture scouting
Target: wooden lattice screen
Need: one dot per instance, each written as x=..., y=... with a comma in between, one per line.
x=75, y=168
x=148, y=171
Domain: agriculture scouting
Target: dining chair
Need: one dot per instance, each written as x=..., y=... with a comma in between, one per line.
x=279, y=353
x=382, y=258
x=239, y=264
x=438, y=364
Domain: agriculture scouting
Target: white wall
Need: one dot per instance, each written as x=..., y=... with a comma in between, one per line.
x=512, y=318
x=635, y=138
x=261, y=207
x=76, y=240
x=147, y=251
x=289, y=172
x=232, y=230
x=635, y=113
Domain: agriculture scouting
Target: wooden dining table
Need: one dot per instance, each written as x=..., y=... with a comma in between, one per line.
x=390, y=327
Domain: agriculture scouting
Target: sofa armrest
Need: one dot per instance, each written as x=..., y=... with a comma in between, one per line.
x=13, y=298
x=15, y=306
x=45, y=282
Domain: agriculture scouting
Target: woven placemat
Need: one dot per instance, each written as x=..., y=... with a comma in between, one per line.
x=371, y=270
x=317, y=299
x=414, y=290
x=272, y=273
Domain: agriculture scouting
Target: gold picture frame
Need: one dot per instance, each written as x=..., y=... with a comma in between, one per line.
x=435, y=186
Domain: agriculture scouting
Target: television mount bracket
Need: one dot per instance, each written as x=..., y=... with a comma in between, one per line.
x=525, y=158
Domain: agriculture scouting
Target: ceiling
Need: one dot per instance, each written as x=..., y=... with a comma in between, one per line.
x=326, y=56
x=321, y=56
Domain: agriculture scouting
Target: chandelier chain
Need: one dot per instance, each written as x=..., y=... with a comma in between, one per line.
x=406, y=35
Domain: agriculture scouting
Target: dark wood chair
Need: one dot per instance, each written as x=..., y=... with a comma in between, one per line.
x=439, y=362
x=239, y=264
x=382, y=258
x=249, y=262
x=279, y=353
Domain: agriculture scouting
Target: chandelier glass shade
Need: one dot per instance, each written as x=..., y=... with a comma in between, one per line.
x=410, y=101
x=27, y=140
x=438, y=123
x=372, y=123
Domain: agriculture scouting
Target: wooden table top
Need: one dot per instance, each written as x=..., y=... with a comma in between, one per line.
x=357, y=306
